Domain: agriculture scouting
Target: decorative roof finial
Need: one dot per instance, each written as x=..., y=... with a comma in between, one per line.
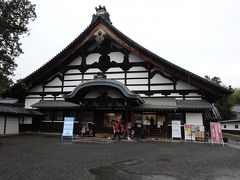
x=102, y=12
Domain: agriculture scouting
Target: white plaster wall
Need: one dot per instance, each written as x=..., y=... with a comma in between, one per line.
x=231, y=126
x=72, y=83
x=137, y=81
x=68, y=89
x=115, y=69
x=115, y=76
x=137, y=75
x=72, y=77
x=93, y=70
x=194, y=118
x=135, y=88
x=88, y=76
x=181, y=85
x=57, y=89
x=174, y=94
x=167, y=87
x=76, y=61
x=117, y=57
x=73, y=71
x=159, y=79
x=138, y=68
x=2, y=120
x=12, y=125
x=55, y=82
x=27, y=120
x=37, y=89
x=157, y=95
x=134, y=58
x=92, y=58
x=29, y=102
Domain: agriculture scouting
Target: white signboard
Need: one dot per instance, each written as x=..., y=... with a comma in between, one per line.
x=68, y=126
x=176, y=129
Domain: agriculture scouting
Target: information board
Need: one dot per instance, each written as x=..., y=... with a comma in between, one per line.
x=68, y=127
x=216, y=133
x=189, y=135
x=176, y=129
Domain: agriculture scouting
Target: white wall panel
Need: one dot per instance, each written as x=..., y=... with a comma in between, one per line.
x=115, y=69
x=159, y=79
x=55, y=82
x=93, y=70
x=72, y=83
x=68, y=89
x=29, y=102
x=2, y=120
x=116, y=56
x=37, y=89
x=76, y=61
x=92, y=58
x=134, y=58
x=181, y=85
x=157, y=95
x=58, y=89
x=135, y=88
x=72, y=77
x=194, y=118
x=12, y=125
x=137, y=75
x=117, y=75
x=138, y=68
x=231, y=126
x=137, y=81
x=88, y=76
x=174, y=94
x=168, y=87
x=73, y=71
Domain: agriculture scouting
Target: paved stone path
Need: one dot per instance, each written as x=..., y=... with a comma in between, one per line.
x=46, y=157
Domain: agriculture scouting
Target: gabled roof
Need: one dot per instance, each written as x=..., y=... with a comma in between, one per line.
x=99, y=21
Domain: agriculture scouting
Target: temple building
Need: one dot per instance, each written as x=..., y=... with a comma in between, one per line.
x=102, y=76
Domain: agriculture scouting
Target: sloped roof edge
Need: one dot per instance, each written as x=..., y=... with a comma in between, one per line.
x=211, y=87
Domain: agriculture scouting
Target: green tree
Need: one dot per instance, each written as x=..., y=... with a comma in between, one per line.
x=225, y=104
x=14, y=19
x=234, y=98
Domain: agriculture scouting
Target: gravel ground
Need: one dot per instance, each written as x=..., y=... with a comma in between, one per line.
x=46, y=157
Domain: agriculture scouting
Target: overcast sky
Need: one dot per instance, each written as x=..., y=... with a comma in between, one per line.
x=201, y=36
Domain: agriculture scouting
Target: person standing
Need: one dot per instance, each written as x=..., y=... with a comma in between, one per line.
x=116, y=131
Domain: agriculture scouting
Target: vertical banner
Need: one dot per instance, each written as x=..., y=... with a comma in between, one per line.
x=68, y=127
x=216, y=133
x=176, y=129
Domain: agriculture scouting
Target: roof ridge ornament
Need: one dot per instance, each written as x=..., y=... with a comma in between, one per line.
x=101, y=12
x=100, y=75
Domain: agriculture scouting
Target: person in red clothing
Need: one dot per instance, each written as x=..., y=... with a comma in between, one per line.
x=116, y=131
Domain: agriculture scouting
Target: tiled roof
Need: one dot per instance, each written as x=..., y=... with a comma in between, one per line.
x=193, y=104
x=157, y=104
x=15, y=110
x=58, y=104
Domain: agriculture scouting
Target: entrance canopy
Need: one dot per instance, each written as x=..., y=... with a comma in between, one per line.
x=102, y=89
